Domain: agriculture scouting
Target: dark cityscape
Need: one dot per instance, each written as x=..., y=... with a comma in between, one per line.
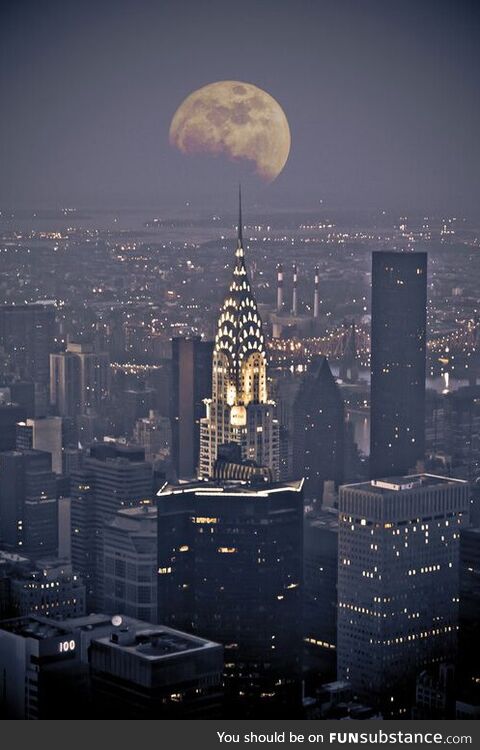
x=240, y=361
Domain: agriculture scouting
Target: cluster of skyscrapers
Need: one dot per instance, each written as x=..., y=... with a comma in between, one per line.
x=245, y=562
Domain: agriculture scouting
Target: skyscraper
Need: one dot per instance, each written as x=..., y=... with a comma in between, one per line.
x=65, y=395
x=10, y=414
x=318, y=417
x=130, y=563
x=112, y=477
x=230, y=569
x=44, y=434
x=28, y=503
x=398, y=583
x=191, y=384
x=154, y=434
x=27, y=335
x=239, y=410
x=320, y=586
x=399, y=299
x=79, y=380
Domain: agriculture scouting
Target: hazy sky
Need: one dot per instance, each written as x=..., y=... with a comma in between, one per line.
x=382, y=97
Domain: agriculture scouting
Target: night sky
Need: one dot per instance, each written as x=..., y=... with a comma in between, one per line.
x=382, y=99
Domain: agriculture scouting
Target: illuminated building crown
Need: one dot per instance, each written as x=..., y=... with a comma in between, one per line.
x=239, y=342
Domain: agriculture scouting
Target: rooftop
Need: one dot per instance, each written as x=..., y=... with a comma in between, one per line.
x=226, y=488
x=140, y=520
x=401, y=484
x=151, y=642
x=39, y=628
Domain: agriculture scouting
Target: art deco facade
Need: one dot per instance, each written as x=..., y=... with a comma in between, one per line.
x=239, y=410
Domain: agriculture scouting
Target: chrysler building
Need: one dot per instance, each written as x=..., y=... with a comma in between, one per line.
x=239, y=410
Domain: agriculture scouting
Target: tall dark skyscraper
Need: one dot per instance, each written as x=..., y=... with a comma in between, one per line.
x=27, y=334
x=191, y=384
x=320, y=586
x=399, y=300
x=28, y=503
x=230, y=569
x=319, y=430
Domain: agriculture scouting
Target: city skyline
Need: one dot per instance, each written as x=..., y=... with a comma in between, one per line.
x=240, y=442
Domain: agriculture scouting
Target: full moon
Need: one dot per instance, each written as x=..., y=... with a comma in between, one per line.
x=235, y=119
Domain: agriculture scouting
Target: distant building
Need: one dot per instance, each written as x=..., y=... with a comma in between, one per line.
x=398, y=583
x=398, y=346
x=154, y=434
x=130, y=563
x=320, y=589
x=137, y=403
x=435, y=693
x=318, y=417
x=65, y=385
x=44, y=434
x=191, y=384
x=27, y=334
x=72, y=459
x=28, y=503
x=10, y=414
x=285, y=388
x=230, y=569
x=337, y=700
x=79, y=380
x=113, y=476
x=453, y=431
x=47, y=587
x=23, y=394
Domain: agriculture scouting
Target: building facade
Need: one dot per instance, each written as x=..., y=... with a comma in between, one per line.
x=230, y=569
x=191, y=384
x=141, y=671
x=49, y=588
x=27, y=335
x=28, y=503
x=112, y=477
x=318, y=417
x=130, y=563
x=240, y=410
x=398, y=583
x=398, y=345
x=320, y=587
x=79, y=380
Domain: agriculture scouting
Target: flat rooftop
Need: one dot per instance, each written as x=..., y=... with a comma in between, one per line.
x=230, y=487
x=390, y=485
x=152, y=642
x=39, y=628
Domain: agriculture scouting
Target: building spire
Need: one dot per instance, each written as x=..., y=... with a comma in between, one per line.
x=240, y=224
